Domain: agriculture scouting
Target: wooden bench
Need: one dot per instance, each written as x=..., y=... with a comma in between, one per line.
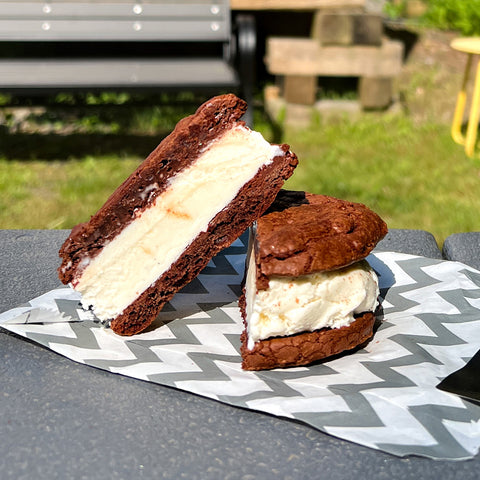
x=53, y=45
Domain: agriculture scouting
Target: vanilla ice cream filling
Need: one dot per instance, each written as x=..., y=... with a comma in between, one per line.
x=303, y=304
x=148, y=246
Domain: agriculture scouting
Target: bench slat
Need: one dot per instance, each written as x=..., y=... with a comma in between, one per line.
x=101, y=30
x=115, y=74
x=45, y=9
x=164, y=21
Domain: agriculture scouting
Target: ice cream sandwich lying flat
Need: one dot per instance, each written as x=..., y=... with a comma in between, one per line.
x=309, y=293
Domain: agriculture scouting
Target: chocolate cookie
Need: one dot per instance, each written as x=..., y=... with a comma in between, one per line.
x=305, y=348
x=304, y=232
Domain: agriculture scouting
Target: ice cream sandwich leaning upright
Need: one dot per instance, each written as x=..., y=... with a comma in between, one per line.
x=309, y=293
x=191, y=197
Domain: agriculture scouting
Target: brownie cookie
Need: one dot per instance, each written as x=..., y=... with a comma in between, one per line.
x=304, y=233
x=305, y=348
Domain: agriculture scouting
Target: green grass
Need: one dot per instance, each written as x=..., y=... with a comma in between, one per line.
x=414, y=176
x=57, y=194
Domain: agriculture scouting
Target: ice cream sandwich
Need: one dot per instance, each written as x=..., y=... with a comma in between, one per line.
x=194, y=195
x=308, y=293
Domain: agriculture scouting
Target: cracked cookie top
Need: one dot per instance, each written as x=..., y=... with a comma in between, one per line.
x=304, y=233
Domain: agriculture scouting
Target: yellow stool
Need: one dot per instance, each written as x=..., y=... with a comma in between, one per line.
x=470, y=45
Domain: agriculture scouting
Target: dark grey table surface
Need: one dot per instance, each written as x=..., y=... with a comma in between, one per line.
x=63, y=420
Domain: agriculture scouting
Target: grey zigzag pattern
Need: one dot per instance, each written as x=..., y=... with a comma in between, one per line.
x=207, y=309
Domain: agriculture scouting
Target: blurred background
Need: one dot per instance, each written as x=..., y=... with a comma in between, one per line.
x=363, y=91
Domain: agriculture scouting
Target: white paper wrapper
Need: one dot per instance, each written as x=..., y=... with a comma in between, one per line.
x=383, y=396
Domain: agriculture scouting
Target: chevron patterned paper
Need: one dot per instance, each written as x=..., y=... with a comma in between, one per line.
x=383, y=396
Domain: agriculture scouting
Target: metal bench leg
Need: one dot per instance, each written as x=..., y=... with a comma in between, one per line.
x=247, y=46
x=456, y=130
x=474, y=117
